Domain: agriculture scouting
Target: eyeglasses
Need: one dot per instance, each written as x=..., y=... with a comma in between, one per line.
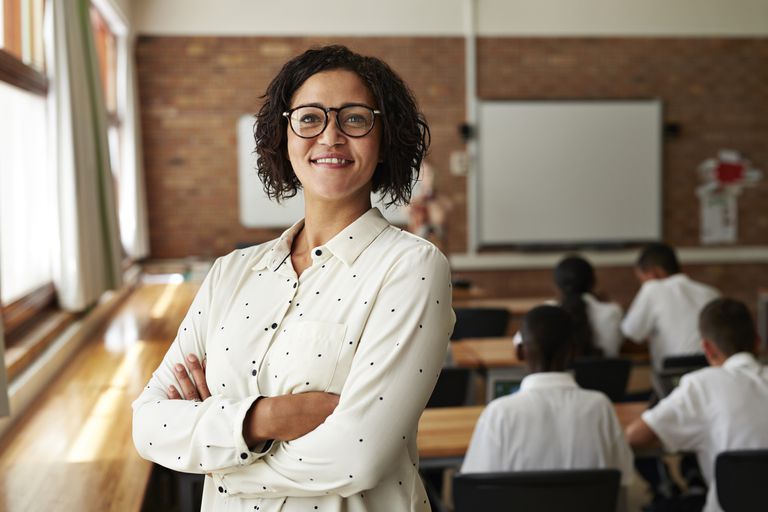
x=309, y=121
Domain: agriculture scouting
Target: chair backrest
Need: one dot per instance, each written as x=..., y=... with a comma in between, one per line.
x=572, y=490
x=480, y=323
x=674, y=367
x=609, y=375
x=452, y=388
x=740, y=477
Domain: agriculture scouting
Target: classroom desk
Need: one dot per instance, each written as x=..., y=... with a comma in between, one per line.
x=444, y=433
x=498, y=358
x=517, y=306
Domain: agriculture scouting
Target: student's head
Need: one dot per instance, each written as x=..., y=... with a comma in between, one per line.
x=574, y=276
x=656, y=260
x=384, y=149
x=546, y=334
x=726, y=328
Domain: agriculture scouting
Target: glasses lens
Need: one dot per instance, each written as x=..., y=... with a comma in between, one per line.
x=308, y=121
x=355, y=120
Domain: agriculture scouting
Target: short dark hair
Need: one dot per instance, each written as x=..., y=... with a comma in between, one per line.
x=405, y=135
x=728, y=323
x=658, y=255
x=548, y=331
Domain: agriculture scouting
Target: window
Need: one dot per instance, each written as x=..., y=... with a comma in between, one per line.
x=22, y=31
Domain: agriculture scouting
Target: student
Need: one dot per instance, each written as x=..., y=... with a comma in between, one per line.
x=724, y=407
x=550, y=423
x=596, y=324
x=666, y=307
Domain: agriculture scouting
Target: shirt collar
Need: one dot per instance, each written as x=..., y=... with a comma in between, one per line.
x=346, y=245
x=548, y=380
x=741, y=360
x=355, y=238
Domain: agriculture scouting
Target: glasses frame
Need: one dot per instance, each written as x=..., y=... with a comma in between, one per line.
x=287, y=114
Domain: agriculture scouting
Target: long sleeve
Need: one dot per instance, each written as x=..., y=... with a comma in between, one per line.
x=393, y=372
x=194, y=437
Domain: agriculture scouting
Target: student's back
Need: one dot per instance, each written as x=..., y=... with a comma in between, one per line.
x=666, y=310
x=550, y=423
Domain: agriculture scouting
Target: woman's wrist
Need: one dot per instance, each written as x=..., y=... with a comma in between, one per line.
x=256, y=424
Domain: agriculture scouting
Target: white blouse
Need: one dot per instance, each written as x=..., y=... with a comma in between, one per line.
x=369, y=320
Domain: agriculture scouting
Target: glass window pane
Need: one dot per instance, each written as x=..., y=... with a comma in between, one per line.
x=26, y=185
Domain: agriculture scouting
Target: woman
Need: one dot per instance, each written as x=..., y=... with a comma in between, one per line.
x=596, y=324
x=322, y=346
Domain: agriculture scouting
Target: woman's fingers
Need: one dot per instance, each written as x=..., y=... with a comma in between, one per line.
x=188, y=390
x=198, y=375
x=173, y=393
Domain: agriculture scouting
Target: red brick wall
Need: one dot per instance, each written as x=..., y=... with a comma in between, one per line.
x=193, y=89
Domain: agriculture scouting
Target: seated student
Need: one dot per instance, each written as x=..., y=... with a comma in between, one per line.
x=596, y=324
x=723, y=407
x=667, y=306
x=550, y=423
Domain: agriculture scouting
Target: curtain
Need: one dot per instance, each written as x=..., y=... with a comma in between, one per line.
x=133, y=202
x=4, y=409
x=88, y=239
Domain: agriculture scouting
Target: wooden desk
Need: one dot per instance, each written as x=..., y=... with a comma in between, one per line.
x=484, y=353
x=444, y=433
x=73, y=450
x=516, y=306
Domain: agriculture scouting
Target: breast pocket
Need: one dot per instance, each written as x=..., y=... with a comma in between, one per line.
x=306, y=357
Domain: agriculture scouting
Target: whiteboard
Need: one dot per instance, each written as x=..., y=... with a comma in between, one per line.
x=569, y=172
x=257, y=210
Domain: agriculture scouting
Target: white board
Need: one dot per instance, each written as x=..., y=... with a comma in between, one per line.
x=257, y=210
x=569, y=172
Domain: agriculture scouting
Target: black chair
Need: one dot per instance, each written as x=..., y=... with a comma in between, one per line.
x=573, y=490
x=608, y=375
x=673, y=368
x=452, y=388
x=480, y=323
x=740, y=479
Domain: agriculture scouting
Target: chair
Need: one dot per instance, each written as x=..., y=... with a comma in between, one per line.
x=609, y=375
x=672, y=369
x=480, y=323
x=740, y=480
x=452, y=388
x=572, y=490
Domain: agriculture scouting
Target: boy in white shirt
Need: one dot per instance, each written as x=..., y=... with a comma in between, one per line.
x=723, y=407
x=666, y=308
x=550, y=423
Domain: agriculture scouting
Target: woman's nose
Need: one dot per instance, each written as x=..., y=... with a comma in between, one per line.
x=331, y=136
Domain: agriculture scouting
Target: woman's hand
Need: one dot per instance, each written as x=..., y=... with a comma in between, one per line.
x=287, y=417
x=194, y=388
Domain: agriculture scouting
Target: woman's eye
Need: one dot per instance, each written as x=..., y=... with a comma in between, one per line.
x=309, y=119
x=355, y=119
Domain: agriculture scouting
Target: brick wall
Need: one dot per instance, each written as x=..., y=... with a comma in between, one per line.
x=193, y=90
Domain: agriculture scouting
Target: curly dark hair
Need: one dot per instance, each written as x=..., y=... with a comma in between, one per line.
x=405, y=134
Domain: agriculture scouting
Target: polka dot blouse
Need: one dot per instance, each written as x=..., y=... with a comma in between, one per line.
x=370, y=320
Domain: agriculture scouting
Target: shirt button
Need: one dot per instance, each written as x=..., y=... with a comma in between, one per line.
x=253, y=372
x=295, y=284
x=221, y=489
x=318, y=252
x=243, y=455
x=274, y=326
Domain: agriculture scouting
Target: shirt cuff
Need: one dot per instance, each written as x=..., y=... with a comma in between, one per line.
x=247, y=455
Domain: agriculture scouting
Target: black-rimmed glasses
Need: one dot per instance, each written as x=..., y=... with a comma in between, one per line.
x=309, y=121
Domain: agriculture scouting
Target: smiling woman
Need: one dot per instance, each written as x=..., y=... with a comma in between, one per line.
x=298, y=376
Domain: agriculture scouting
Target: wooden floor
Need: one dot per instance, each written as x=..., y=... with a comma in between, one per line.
x=73, y=451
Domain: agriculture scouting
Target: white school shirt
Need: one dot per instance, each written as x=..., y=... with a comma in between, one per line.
x=550, y=423
x=369, y=320
x=605, y=320
x=714, y=410
x=666, y=311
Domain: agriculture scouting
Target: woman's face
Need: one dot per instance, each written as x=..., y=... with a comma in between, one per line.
x=333, y=166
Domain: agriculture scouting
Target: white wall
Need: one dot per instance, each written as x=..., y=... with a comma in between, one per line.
x=445, y=17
